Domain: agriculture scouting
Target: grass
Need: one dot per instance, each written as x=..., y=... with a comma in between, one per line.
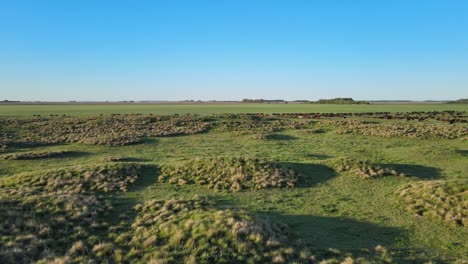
x=445, y=200
x=206, y=109
x=334, y=215
x=233, y=174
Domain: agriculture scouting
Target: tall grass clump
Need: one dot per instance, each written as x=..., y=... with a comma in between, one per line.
x=115, y=130
x=103, y=178
x=34, y=155
x=194, y=231
x=411, y=130
x=438, y=199
x=364, y=168
x=51, y=216
x=232, y=174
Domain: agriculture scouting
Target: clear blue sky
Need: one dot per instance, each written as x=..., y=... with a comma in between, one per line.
x=200, y=49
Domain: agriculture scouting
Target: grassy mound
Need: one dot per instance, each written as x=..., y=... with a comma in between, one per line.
x=257, y=124
x=34, y=155
x=445, y=200
x=364, y=169
x=193, y=231
x=43, y=215
x=104, y=178
x=116, y=159
x=41, y=226
x=422, y=130
x=232, y=174
x=112, y=130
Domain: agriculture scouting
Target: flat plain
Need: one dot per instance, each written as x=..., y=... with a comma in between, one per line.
x=151, y=184
x=186, y=108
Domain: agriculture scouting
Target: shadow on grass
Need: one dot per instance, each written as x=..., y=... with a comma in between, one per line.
x=280, y=137
x=123, y=204
x=60, y=155
x=311, y=174
x=339, y=232
x=318, y=156
x=462, y=152
x=418, y=171
x=125, y=159
x=72, y=154
x=149, y=175
x=322, y=233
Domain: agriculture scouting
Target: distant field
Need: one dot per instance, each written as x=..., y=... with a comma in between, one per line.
x=165, y=109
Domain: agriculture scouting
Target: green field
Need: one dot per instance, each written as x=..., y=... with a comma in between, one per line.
x=169, y=109
x=334, y=214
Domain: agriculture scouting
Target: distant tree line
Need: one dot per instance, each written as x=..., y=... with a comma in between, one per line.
x=261, y=101
x=340, y=101
x=459, y=101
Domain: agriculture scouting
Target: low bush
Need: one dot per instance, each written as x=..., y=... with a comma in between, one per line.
x=445, y=200
x=232, y=174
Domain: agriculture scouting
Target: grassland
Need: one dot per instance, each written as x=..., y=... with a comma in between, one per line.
x=169, y=109
x=329, y=214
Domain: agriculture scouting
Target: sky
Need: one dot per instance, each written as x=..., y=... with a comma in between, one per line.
x=229, y=50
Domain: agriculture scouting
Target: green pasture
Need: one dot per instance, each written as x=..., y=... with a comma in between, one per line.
x=169, y=109
x=331, y=210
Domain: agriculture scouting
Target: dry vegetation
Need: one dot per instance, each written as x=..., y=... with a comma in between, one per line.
x=116, y=159
x=64, y=215
x=364, y=168
x=232, y=174
x=113, y=130
x=194, y=231
x=104, y=178
x=45, y=215
x=131, y=129
x=450, y=117
x=34, y=155
x=258, y=124
x=419, y=130
x=445, y=200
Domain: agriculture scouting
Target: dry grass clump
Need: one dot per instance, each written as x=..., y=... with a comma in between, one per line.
x=445, y=200
x=111, y=130
x=193, y=231
x=5, y=139
x=3, y=148
x=364, y=169
x=257, y=123
x=116, y=159
x=345, y=122
x=260, y=136
x=232, y=174
x=103, y=178
x=34, y=155
x=312, y=131
x=420, y=130
x=51, y=217
x=40, y=226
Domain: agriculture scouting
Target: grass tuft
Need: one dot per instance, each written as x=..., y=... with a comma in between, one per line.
x=444, y=200
x=232, y=174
